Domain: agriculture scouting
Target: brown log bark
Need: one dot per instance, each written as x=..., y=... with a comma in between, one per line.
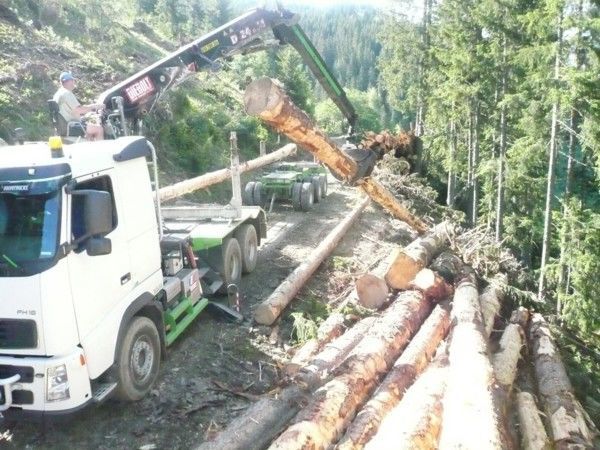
x=218, y=176
x=371, y=290
x=407, y=262
x=416, y=421
x=566, y=416
x=267, y=312
x=266, y=99
x=433, y=286
x=406, y=369
x=533, y=433
x=490, y=301
x=333, y=406
x=468, y=397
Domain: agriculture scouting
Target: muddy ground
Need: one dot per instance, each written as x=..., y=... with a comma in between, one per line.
x=218, y=368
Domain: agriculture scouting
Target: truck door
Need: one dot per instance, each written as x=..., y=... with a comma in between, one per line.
x=98, y=283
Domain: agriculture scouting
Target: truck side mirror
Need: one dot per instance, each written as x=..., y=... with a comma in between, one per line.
x=97, y=246
x=92, y=214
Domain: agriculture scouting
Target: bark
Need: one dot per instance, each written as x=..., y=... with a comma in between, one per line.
x=371, y=291
x=533, y=433
x=333, y=406
x=409, y=261
x=469, y=366
x=268, y=311
x=433, y=286
x=416, y=421
x=451, y=196
x=502, y=149
x=266, y=99
x=490, y=301
x=406, y=369
x=565, y=414
x=448, y=265
x=218, y=176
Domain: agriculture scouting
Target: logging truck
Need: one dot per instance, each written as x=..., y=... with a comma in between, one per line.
x=97, y=278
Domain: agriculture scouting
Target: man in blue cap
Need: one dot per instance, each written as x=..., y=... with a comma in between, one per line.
x=73, y=111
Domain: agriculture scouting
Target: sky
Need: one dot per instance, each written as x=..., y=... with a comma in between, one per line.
x=327, y=3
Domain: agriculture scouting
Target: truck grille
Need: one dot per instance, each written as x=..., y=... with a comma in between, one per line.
x=7, y=371
x=15, y=334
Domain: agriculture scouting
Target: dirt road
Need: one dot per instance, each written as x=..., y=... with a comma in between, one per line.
x=218, y=367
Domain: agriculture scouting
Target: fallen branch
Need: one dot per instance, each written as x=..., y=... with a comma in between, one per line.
x=268, y=311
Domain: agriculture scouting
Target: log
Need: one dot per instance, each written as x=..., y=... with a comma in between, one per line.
x=448, y=265
x=266, y=99
x=533, y=433
x=469, y=367
x=416, y=421
x=490, y=301
x=407, y=262
x=405, y=370
x=268, y=311
x=433, y=286
x=372, y=291
x=565, y=414
x=333, y=406
x=218, y=176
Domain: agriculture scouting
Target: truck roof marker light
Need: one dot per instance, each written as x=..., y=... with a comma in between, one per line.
x=56, y=146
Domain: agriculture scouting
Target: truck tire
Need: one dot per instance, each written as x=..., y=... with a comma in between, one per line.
x=307, y=196
x=316, y=184
x=231, y=267
x=248, y=196
x=138, y=360
x=257, y=194
x=296, y=191
x=323, y=179
x=248, y=240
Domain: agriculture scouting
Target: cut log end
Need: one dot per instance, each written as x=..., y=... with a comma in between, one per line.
x=371, y=291
x=262, y=95
x=433, y=286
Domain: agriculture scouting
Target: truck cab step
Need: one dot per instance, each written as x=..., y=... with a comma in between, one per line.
x=102, y=391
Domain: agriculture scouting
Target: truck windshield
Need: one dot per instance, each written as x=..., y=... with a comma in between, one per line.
x=29, y=225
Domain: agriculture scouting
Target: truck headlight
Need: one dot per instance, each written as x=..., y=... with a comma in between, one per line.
x=57, y=384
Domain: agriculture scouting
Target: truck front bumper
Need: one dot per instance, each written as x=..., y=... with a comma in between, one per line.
x=37, y=387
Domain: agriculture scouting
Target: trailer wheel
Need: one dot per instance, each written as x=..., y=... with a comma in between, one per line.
x=231, y=269
x=307, y=196
x=257, y=194
x=246, y=236
x=323, y=179
x=138, y=360
x=296, y=191
x=248, y=197
x=316, y=184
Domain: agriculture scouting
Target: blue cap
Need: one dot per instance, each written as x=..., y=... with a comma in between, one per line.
x=66, y=76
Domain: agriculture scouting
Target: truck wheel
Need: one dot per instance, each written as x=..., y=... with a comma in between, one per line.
x=257, y=194
x=231, y=269
x=323, y=179
x=316, y=184
x=296, y=191
x=307, y=196
x=248, y=197
x=246, y=236
x=138, y=360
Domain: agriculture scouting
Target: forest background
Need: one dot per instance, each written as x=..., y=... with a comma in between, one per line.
x=505, y=95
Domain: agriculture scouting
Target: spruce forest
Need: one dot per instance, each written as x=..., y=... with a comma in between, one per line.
x=504, y=95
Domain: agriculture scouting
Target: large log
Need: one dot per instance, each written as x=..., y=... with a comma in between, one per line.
x=491, y=300
x=333, y=406
x=468, y=398
x=533, y=433
x=416, y=421
x=268, y=311
x=407, y=262
x=266, y=99
x=406, y=369
x=565, y=414
x=218, y=176
x=432, y=285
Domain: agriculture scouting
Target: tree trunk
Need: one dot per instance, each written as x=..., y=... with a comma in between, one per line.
x=409, y=261
x=448, y=265
x=564, y=412
x=502, y=149
x=218, y=176
x=333, y=406
x=416, y=421
x=490, y=301
x=505, y=365
x=546, y=242
x=266, y=99
x=451, y=197
x=432, y=285
x=268, y=311
x=533, y=433
x=469, y=366
x=475, y=168
x=406, y=369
